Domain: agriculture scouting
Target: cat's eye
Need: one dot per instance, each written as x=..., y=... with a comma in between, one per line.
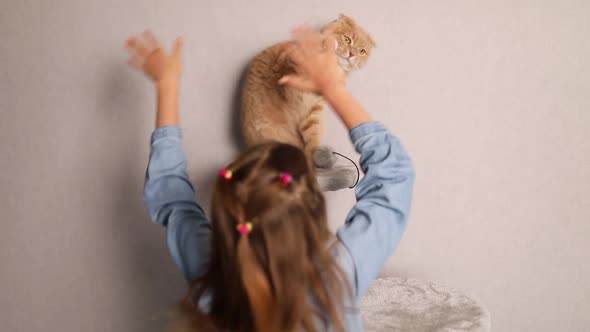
x=347, y=40
x=362, y=51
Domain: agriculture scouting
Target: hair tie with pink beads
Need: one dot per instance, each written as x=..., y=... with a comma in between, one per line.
x=226, y=174
x=285, y=178
x=244, y=228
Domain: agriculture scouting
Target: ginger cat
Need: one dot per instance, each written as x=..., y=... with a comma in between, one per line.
x=279, y=113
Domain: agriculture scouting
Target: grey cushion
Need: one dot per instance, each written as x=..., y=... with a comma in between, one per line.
x=401, y=304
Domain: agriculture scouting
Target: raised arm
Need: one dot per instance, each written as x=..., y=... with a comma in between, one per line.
x=375, y=225
x=168, y=193
x=320, y=73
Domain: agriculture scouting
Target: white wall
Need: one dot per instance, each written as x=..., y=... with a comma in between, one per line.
x=491, y=99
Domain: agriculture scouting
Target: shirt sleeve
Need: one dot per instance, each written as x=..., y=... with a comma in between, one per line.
x=376, y=223
x=171, y=201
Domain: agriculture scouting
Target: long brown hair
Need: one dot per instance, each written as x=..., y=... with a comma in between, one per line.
x=282, y=276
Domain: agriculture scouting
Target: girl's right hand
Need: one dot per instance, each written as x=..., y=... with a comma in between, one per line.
x=316, y=61
x=149, y=56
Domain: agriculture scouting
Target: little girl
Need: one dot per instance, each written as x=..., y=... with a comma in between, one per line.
x=267, y=260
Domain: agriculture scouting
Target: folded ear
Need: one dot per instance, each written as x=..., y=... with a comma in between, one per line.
x=345, y=19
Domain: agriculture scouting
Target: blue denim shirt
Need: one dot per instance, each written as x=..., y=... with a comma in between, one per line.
x=370, y=234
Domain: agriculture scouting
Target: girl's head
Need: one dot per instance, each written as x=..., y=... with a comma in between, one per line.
x=281, y=275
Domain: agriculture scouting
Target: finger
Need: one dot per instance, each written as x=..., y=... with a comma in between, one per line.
x=330, y=42
x=296, y=54
x=135, y=62
x=310, y=40
x=300, y=38
x=151, y=42
x=299, y=27
x=297, y=82
x=137, y=47
x=178, y=46
x=295, y=29
x=130, y=44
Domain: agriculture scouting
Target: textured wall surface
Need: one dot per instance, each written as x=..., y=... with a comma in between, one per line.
x=491, y=98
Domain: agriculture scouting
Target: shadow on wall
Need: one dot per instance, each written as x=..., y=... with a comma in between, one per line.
x=204, y=181
x=235, y=123
x=148, y=283
x=142, y=266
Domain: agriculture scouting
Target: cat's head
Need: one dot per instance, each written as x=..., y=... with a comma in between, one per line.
x=354, y=43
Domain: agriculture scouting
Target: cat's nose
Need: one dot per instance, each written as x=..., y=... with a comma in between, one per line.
x=350, y=55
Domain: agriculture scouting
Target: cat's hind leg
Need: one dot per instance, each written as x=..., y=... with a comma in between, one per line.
x=310, y=129
x=324, y=157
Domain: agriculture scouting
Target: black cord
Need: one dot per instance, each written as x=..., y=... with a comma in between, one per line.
x=358, y=172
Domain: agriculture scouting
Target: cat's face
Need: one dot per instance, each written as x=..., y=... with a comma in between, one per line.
x=354, y=44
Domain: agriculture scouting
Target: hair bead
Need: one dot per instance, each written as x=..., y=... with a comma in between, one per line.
x=244, y=228
x=226, y=174
x=285, y=178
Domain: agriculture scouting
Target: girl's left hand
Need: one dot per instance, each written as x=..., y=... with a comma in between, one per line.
x=148, y=55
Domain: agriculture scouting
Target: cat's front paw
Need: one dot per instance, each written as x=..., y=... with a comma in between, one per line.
x=323, y=157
